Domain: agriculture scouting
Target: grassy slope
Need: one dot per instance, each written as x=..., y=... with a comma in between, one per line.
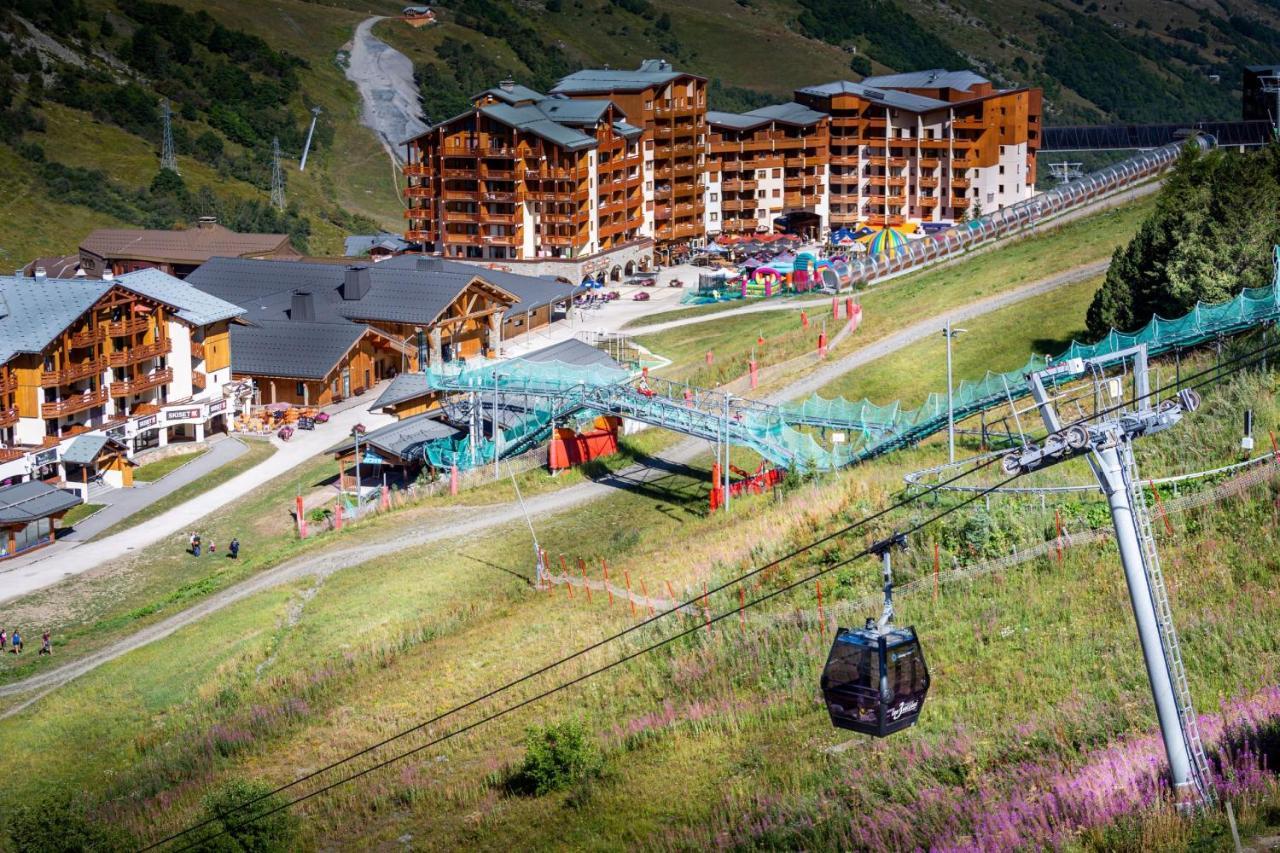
x=152, y=471
x=896, y=304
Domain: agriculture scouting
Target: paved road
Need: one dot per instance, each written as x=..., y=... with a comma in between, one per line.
x=549, y=503
x=54, y=565
x=125, y=502
x=384, y=79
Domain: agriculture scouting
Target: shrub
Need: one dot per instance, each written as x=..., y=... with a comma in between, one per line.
x=58, y=821
x=556, y=757
x=267, y=834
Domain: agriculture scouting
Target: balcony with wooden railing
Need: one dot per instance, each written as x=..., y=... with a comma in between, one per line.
x=199, y=380
x=426, y=191
x=461, y=216
x=8, y=382
x=8, y=454
x=960, y=183
x=418, y=236
x=417, y=170
x=87, y=337
x=139, y=384
x=73, y=403
x=128, y=326
x=928, y=201
x=69, y=374
x=969, y=123
x=8, y=417
x=133, y=355
x=197, y=350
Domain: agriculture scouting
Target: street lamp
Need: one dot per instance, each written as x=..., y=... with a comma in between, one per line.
x=356, y=432
x=950, y=333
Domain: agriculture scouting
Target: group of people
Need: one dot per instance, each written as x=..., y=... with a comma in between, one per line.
x=13, y=644
x=233, y=550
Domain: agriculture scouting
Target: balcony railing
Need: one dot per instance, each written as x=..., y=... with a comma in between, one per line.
x=8, y=382
x=136, y=386
x=419, y=192
x=199, y=380
x=197, y=350
x=418, y=170
x=130, y=326
x=8, y=417
x=88, y=337
x=54, y=378
x=417, y=236
x=74, y=403
x=133, y=355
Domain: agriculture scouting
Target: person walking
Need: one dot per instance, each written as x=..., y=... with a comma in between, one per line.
x=4, y=639
x=235, y=548
x=213, y=547
x=191, y=543
x=195, y=545
x=46, y=645
x=17, y=643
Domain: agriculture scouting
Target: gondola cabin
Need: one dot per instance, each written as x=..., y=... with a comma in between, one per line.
x=875, y=679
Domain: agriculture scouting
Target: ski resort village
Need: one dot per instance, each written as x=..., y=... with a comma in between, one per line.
x=620, y=424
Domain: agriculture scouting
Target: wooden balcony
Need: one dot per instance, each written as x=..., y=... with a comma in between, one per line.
x=67, y=375
x=133, y=355
x=460, y=195
x=736, y=186
x=927, y=181
x=928, y=201
x=199, y=380
x=197, y=350
x=959, y=203
x=960, y=183
x=8, y=417
x=129, y=326
x=417, y=213
x=74, y=403
x=498, y=174
x=418, y=236
x=87, y=337
x=8, y=382
x=969, y=123
x=499, y=218
x=417, y=170
x=419, y=192
x=461, y=239
x=460, y=216
x=8, y=454
x=142, y=383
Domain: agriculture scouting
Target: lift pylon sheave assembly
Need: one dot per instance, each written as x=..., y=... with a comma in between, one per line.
x=1109, y=445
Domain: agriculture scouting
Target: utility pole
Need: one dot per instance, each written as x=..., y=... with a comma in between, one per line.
x=277, y=176
x=168, y=158
x=950, y=333
x=306, y=149
x=727, y=397
x=356, y=432
x=1109, y=444
x=496, y=431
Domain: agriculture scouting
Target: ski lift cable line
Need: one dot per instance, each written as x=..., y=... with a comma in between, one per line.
x=1241, y=362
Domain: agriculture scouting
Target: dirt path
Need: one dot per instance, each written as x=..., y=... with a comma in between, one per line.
x=322, y=565
x=384, y=78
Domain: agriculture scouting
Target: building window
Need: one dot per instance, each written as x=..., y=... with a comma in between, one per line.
x=301, y=391
x=763, y=193
x=1002, y=170
x=1001, y=149
x=715, y=217
x=777, y=173
x=763, y=173
x=777, y=193
x=760, y=214
x=1001, y=189
x=648, y=105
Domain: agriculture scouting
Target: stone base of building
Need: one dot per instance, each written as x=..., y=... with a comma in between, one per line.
x=613, y=265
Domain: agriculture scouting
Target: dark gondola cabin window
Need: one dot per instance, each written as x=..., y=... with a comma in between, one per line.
x=875, y=679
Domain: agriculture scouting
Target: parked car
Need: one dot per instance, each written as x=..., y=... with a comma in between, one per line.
x=675, y=282
x=643, y=281
x=285, y=433
x=322, y=417
x=641, y=296
x=612, y=295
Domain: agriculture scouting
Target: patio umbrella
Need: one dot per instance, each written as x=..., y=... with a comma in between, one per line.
x=887, y=241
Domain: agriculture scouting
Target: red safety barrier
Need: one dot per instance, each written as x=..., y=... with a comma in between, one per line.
x=717, y=492
x=758, y=483
x=754, y=370
x=710, y=357
x=804, y=319
x=835, y=308
x=453, y=480
x=822, y=344
x=848, y=307
x=855, y=318
x=302, y=519
x=569, y=448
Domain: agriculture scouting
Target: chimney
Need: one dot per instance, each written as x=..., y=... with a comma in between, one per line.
x=422, y=350
x=41, y=272
x=206, y=221
x=430, y=263
x=355, y=283
x=108, y=275
x=507, y=85
x=302, y=307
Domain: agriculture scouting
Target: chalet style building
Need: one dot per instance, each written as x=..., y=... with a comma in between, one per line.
x=616, y=156
x=317, y=333
x=123, y=250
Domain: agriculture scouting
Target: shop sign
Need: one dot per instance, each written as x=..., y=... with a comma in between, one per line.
x=182, y=415
x=45, y=457
x=145, y=422
x=217, y=407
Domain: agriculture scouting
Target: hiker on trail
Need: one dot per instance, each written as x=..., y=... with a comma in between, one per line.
x=213, y=547
x=17, y=643
x=46, y=646
x=195, y=545
x=191, y=543
x=235, y=548
x=4, y=639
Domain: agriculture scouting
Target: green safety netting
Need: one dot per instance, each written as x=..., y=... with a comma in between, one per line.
x=785, y=435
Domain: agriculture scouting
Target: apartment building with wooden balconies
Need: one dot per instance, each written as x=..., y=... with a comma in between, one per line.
x=927, y=146
x=82, y=355
x=768, y=165
x=671, y=107
x=523, y=176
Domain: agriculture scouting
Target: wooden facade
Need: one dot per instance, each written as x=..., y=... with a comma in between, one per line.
x=774, y=168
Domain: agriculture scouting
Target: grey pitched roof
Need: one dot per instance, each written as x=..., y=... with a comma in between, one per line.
x=193, y=245
x=573, y=351
x=533, y=120
x=581, y=111
x=33, y=500
x=627, y=131
x=513, y=95
x=891, y=97
x=400, y=437
x=652, y=72
x=359, y=244
x=292, y=350
x=195, y=306
x=531, y=291
x=35, y=311
x=398, y=291
x=84, y=449
x=789, y=113
x=933, y=78
x=405, y=386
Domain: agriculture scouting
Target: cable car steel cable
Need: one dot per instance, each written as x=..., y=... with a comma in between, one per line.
x=1242, y=361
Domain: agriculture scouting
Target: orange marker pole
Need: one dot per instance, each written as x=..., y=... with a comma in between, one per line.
x=1168, y=525
x=627, y=574
x=564, y=570
x=671, y=595
x=608, y=588
x=1057, y=519
x=644, y=588
x=583, y=566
